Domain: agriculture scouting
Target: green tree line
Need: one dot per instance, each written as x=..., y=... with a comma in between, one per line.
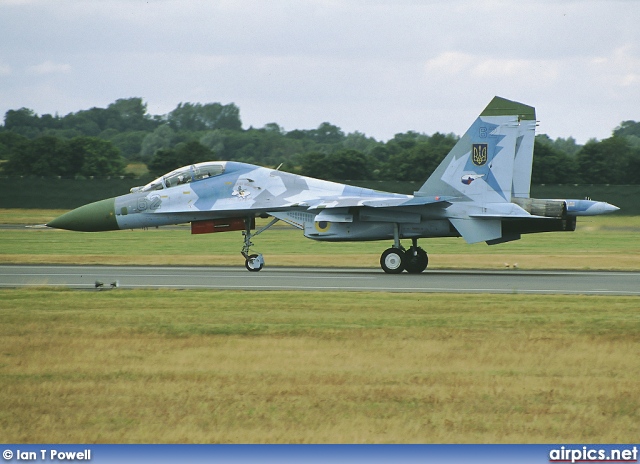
x=100, y=142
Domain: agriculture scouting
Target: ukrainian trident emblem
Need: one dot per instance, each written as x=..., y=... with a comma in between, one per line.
x=479, y=153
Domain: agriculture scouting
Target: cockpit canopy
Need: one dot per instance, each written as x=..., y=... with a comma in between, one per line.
x=184, y=175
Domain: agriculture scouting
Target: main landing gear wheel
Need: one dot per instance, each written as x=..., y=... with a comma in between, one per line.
x=392, y=261
x=395, y=259
x=416, y=260
x=254, y=263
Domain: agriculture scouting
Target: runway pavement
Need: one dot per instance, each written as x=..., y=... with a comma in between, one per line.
x=313, y=279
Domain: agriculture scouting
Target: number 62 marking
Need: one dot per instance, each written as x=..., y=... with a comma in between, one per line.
x=152, y=203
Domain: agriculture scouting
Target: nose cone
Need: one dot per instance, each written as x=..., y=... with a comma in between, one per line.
x=609, y=208
x=94, y=217
x=602, y=207
x=589, y=207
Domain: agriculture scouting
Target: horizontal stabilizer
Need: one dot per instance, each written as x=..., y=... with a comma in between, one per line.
x=474, y=230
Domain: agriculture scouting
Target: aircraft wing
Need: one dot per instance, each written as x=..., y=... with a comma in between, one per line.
x=382, y=202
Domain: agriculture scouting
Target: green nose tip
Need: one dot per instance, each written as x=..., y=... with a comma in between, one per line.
x=94, y=217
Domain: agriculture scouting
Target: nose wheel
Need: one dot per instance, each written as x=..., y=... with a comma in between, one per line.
x=254, y=262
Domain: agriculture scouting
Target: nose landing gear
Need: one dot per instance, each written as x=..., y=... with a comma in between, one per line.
x=254, y=262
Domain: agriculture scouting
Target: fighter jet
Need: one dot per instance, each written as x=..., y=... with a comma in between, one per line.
x=479, y=192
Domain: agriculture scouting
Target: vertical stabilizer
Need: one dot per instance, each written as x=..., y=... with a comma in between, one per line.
x=523, y=162
x=492, y=161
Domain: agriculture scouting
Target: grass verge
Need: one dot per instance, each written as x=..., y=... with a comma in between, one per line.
x=150, y=366
x=599, y=243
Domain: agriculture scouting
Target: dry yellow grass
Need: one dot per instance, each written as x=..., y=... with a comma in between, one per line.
x=287, y=367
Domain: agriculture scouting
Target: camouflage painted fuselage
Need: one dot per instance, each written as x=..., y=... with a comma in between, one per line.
x=325, y=210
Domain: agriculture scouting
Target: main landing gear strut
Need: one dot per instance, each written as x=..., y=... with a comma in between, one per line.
x=254, y=262
x=396, y=259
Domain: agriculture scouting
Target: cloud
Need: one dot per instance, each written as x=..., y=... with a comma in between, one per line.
x=5, y=69
x=621, y=68
x=454, y=63
x=15, y=2
x=449, y=63
x=49, y=67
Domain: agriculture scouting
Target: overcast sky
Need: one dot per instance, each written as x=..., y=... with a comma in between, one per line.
x=378, y=67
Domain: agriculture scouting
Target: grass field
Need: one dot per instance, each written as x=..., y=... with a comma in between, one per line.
x=287, y=367
x=609, y=242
